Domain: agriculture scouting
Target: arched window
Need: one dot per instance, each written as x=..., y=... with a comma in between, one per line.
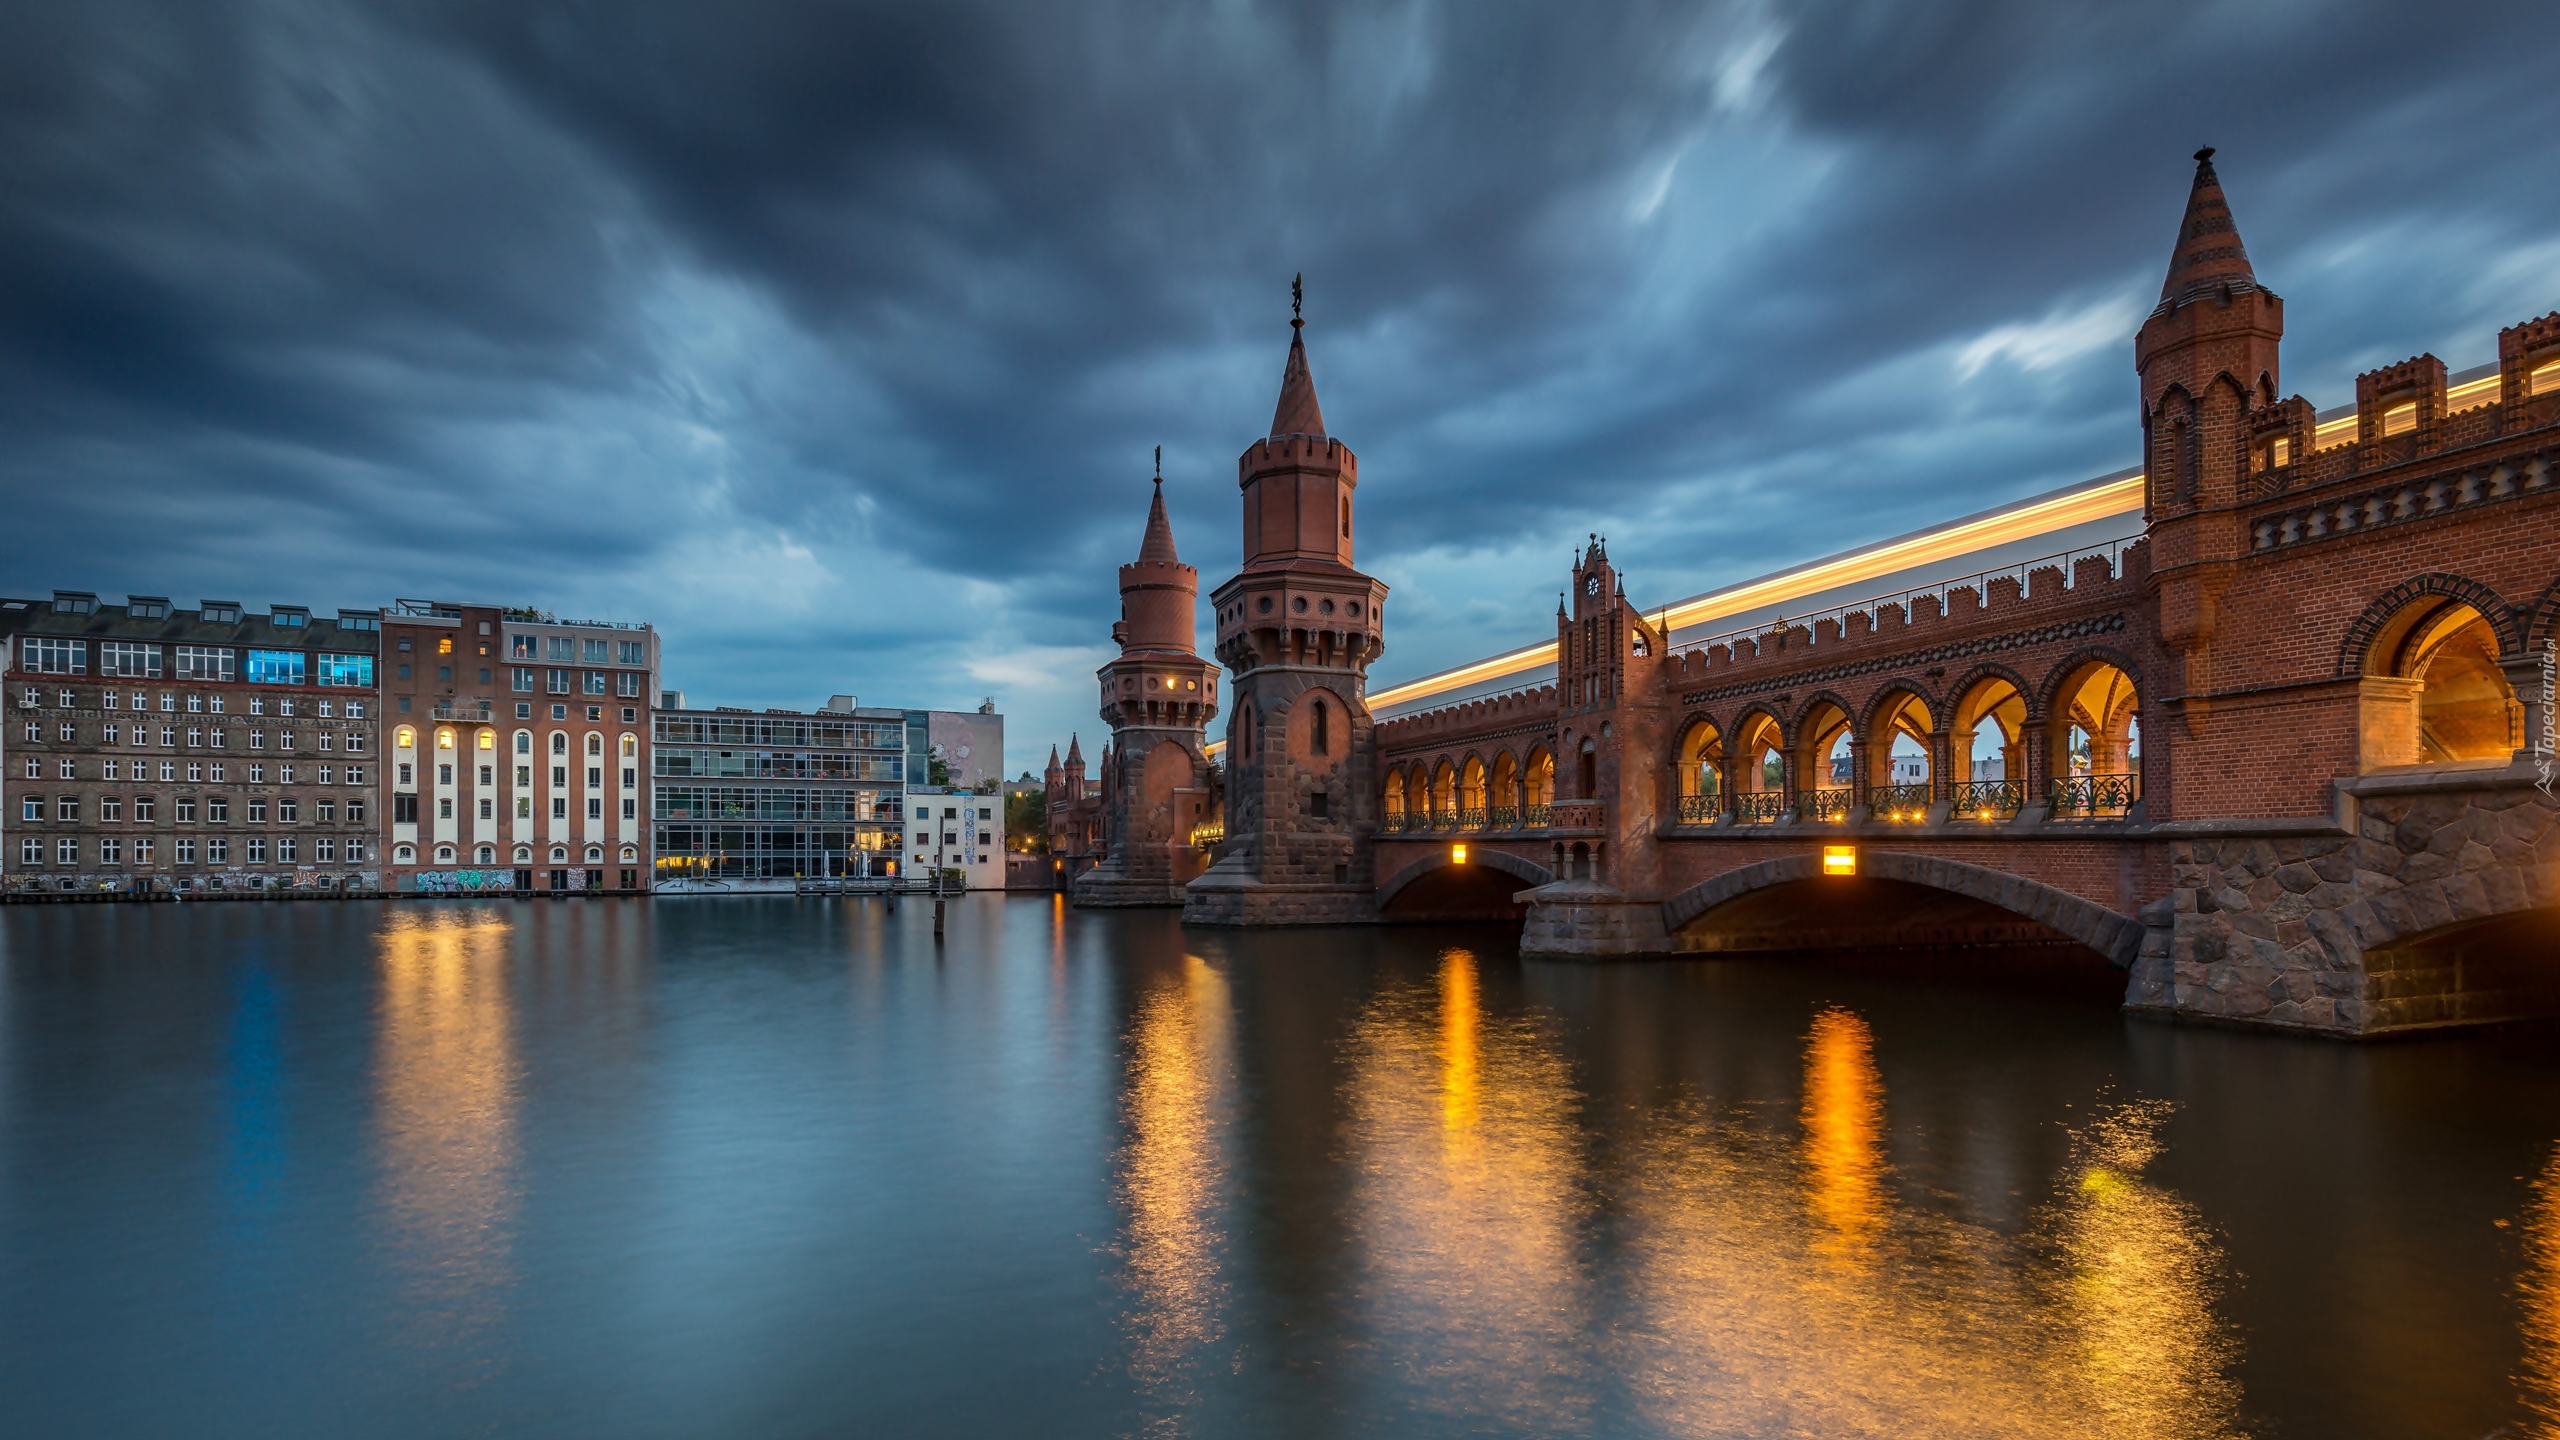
x=1590, y=771
x=1346, y=517
x=595, y=743
x=524, y=742
x=1322, y=743
x=630, y=747
x=444, y=737
x=559, y=742
x=488, y=739
x=405, y=739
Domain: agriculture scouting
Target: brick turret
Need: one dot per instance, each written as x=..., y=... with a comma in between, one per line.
x=1297, y=628
x=2207, y=357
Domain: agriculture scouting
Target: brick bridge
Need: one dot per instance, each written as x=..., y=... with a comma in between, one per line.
x=2284, y=757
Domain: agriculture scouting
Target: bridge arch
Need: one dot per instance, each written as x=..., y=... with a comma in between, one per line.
x=1437, y=887
x=2116, y=937
x=2357, y=652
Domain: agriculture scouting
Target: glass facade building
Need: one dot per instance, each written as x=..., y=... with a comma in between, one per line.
x=778, y=794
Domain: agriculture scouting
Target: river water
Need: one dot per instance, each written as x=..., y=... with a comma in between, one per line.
x=791, y=1168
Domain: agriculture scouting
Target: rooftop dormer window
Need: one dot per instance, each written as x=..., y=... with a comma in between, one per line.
x=74, y=602
x=146, y=607
x=220, y=612
x=284, y=619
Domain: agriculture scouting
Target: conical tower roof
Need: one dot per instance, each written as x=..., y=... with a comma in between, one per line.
x=2209, y=258
x=1297, y=413
x=1075, y=752
x=1158, y=544
x=1053, y=758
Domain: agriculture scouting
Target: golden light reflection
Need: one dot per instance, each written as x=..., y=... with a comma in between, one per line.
x=2098, y=1321
x=1458, y=1041
x=446, y=1093
x=2539, y=1290
x=1469, y=1207
x=1172, y=1174
x=1843, y=1132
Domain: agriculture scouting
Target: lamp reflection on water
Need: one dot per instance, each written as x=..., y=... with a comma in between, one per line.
x=1777, y=1288
x=1172, y=1173
x=2538, y=1290
x=1469, y=1205
x=447, y=1084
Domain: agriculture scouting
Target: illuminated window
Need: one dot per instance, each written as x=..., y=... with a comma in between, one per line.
x=444, y=645
x=444, y=737
x=405, y=738
x=630, y=746
x=488, y=739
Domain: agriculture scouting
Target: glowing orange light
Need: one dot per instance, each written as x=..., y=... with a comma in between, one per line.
x=1839, y=859
x=1457, y=854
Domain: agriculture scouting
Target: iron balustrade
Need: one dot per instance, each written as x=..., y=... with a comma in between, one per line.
x=1760, y=806
x=1392, y=821
x=1830, y=802
x=2095, y=797
x=1534, y=817
x=1471, y=819
x=1700, y=809
x=1502, y=817
x=1444, y=819
x=1989, y=799
x=1899, y=802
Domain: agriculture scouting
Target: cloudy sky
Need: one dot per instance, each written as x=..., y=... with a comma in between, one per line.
x=835, y=338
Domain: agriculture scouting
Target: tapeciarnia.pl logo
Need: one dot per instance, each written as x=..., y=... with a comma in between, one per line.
x=2543, y=758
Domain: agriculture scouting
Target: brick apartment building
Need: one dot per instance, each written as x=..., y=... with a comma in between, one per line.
x=518, y=750
x=150, y=748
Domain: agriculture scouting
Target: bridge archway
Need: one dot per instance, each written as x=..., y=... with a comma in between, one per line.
x=1987, y=735
x=1700, y=766
x=2432, y=690
x=1901, y=736
x=1538, y=779
x=1440, y=888
x=2093, y=735
x=1992, y=907
x=1504, y=797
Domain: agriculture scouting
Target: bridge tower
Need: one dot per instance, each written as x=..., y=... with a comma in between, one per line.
x=1612, y=730
x=1158, y=696
x=2207, y=357
x=1297, y=629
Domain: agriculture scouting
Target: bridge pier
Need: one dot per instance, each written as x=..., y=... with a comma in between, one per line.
x=1587, y=920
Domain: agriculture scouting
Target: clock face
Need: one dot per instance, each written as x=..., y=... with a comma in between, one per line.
x=1591, y=585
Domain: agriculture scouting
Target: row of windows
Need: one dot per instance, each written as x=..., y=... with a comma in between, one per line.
x=624, y=683
x=198, y=772
x=255, y=850
x=408, y=777
x=809, y=840
x=782, y=731
x=48, y=655
x=924, y=838
x=567, y=647
x=406, y=738
x=404, y=808
x=217, y=809
x=769, y=765
x=706, y=802
x=198, y=736
x=33, y=698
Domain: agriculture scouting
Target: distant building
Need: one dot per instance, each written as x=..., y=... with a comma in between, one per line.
x=1077, y=811
x=953, y=829
x=153, y=748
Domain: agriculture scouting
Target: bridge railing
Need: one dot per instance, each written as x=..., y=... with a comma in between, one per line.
x=1900, y=802
x=1989, y=799
x=1700, y=809
x=2095, y=797
x=1759, y=807
x=1471, y=819
x=1829, y=802
x=1502, y=817
x=1979, y=582
x=1534, y=817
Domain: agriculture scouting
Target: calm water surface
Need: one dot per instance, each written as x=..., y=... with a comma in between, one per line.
x=776, y=1168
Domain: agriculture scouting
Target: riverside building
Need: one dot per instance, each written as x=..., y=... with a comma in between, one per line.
x=505, y=775
x=151, y=748
x=746, y=799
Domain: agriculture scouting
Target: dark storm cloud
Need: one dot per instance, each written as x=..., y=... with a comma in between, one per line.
x=834, y=336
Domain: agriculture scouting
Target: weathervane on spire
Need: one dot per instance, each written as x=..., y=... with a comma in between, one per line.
x=1298, y=299
x=1159, y=464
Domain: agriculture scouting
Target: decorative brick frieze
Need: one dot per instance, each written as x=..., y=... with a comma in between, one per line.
x=2420, y=497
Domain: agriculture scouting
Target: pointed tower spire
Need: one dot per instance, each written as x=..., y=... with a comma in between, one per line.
x=1053, y=758
x=1075, y=752
x=1298, y=413
x=1158, y=543
x=2209, y=259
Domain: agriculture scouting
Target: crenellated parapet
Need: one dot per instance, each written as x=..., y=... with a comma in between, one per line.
x=1494, y=714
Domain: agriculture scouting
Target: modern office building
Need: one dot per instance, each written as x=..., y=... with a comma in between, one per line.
x=152, y=748
x=747, y=799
